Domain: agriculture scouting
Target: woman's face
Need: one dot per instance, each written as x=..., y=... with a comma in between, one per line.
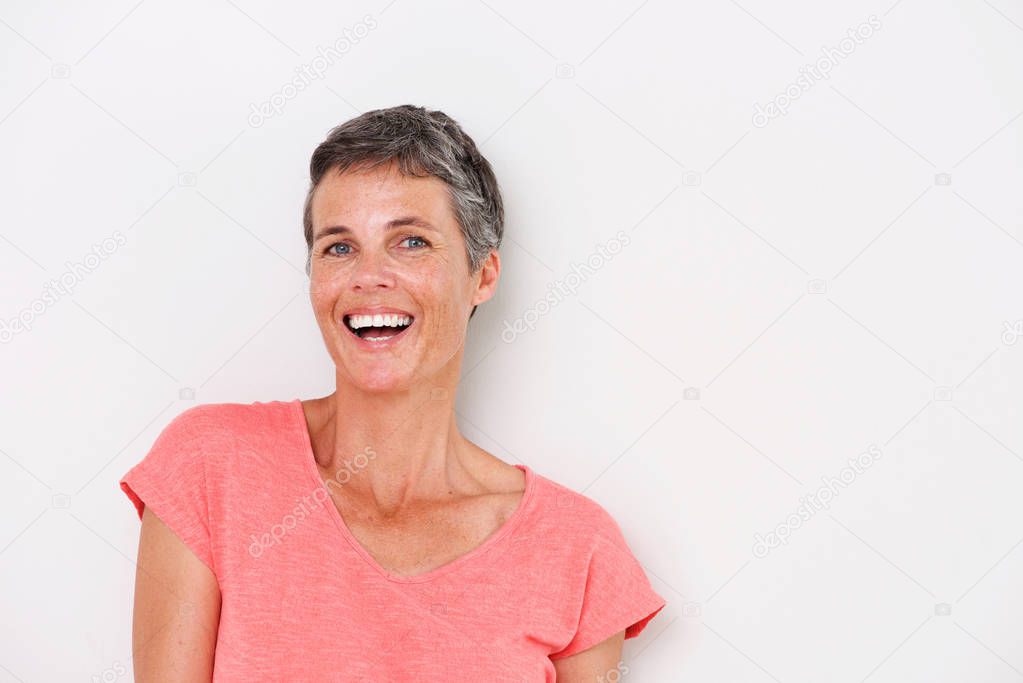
x=364, y=257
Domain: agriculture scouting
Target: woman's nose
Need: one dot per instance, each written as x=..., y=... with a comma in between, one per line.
x=373, y=269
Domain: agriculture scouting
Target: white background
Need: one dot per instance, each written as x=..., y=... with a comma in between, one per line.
x=847, y=276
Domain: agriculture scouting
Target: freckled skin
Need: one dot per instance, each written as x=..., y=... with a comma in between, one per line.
x=373, y=267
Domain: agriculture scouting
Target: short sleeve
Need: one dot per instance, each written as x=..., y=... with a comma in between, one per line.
x=171, y=479
x=617, y=594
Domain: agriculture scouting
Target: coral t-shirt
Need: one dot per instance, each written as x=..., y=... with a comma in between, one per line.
x=302, y=600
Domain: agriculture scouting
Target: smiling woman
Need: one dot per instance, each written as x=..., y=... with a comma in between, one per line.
x=430, y=558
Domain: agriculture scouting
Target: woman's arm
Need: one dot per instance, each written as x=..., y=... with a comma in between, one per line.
x=177, y=608
x=593, y=665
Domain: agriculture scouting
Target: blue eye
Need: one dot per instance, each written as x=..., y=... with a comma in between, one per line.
x=331, y=252
x=416, y=237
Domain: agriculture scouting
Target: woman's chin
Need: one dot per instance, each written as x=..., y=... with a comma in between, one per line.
x=379, y=379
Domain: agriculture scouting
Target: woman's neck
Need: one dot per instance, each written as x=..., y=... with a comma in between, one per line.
x=391, y=450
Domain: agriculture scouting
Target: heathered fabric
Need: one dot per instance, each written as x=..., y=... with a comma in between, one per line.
x=302, y=600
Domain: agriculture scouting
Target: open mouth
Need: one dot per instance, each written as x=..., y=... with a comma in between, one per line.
x=378, y=328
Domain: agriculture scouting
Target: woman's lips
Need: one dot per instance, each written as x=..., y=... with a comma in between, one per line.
x=378, y=337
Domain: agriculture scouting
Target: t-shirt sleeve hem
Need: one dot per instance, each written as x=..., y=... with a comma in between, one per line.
x=633, y=625
x=138, y=491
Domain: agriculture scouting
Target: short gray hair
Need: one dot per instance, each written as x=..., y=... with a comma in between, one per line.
x=423, y=143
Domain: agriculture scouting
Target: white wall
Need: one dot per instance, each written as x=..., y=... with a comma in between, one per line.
x=797, y=290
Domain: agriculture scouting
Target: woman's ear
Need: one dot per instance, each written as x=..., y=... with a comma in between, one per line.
x=489, y=274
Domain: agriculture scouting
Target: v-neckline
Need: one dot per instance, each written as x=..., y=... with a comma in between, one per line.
x=308, y=455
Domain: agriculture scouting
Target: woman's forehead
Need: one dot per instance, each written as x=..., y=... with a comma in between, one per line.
x=381, y=200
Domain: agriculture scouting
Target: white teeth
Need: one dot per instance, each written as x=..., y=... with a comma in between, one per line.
x=385, y=320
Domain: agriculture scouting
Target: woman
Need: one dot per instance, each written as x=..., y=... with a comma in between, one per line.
x=359, y=536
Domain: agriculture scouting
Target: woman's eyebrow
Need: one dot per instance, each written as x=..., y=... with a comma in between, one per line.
x=391, y=225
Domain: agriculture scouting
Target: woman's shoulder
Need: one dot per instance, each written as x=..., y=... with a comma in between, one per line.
x=574, y=515
x=208, y=420
x=223, y=427
x=225, y=416
x=223, y=444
